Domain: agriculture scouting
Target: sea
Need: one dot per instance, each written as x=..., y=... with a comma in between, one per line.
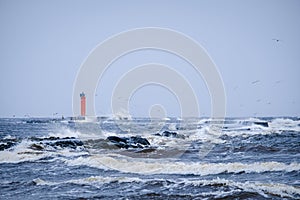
x=143, y=158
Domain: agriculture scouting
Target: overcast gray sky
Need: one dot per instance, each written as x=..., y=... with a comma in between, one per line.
x=254, y=44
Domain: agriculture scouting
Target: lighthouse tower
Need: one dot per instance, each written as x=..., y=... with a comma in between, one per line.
x=83, y=104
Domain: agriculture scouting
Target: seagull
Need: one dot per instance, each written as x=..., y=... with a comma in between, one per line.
x=276, y=40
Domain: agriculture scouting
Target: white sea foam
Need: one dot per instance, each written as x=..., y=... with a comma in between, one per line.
x=9, y=137
x=203, y=121
x=149, y=166
x=264, y=189
x=65, y=132
x=22, y=152
x=92, y=180
x=68, y=132
x=248, y=130
x=246, y=133
x=285, y=124
x=243, y=127
x=207, y=134
x=185, y=138
x=172, y=127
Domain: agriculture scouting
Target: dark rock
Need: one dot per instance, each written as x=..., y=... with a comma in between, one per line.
x=67, y=143
x=6, y=146
x=129, y=142
x=264, y=124
x=37, y=147
x=37, y=121
x=139, y=140
x=41, y=143
x=147, y=150
x=170, y=134
x=116, y=139
x=51, y=138
x=7, y=143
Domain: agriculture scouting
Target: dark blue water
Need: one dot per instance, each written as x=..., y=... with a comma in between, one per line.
x=185, y=159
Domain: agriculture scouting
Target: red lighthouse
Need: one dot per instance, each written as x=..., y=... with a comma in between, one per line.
x=82, y=97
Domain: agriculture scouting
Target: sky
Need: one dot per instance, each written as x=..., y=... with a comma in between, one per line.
x=254, y=44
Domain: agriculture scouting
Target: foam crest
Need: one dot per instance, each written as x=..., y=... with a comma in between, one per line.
x=92, y=180
x=65, y=132
x=23, y=152
x=20, y=153
x=207, y=134
x=263, y=189
x=155, y=166
x=68, y=132
x=285, y=124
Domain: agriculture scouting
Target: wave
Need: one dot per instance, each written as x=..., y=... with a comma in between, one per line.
x=20, y=149
x=19, y=155
x=28, y=150
x=182, y=184
x=263, y=189
x=285, y=124
x=255, y=126
x=79, y=133
x=129, y=165
x=90, y=180
x=199, y=130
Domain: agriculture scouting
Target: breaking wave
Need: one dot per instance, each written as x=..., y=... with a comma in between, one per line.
x=116, y=162
x=255, y=187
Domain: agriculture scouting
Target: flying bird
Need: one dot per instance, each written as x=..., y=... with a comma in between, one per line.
x=276, y=40
x=257, y=81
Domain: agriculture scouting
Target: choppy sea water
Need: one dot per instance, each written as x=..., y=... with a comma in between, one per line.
x=62, y=159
